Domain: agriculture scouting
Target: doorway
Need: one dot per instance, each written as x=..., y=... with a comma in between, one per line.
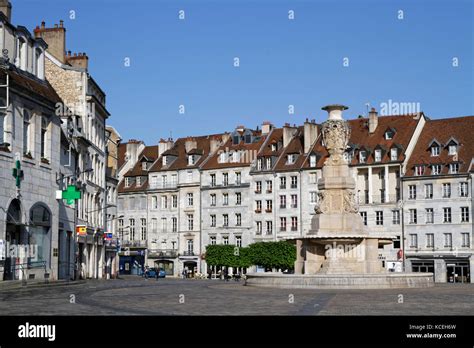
x=458, y=272
x=13, y=238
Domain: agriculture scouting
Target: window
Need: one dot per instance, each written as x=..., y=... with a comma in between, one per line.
x=411, y=191
x=44, y=137
x=191, y=160
x=144, y=165
x=435, y=150
x=238, y=241
x=430, y=240
x=259, y=206
x=268, y=163
x=393, y=154
x=294, y=201
x=143, y=229
x=225, y=179
x=429, y=215
x=463, y=192
x=238, y=178
x=132, y=228
x=225, y=199
x=274, y=147
x=436, y=169
x=282, y=182
x=313, y=178
x=413, y=216
x=139, y=181
x=362, y=156
x=294, y=223
x=312, y=161
x=174, y=201
x=453, y=149
x=22, y=53
x=282, y=201
x=236, y=156
x=413, y=241
x=446, y=190
x=190, y=222
x=39, y=69
x=190, y=246
x=238, y=219
x=378, y=155
x=363, y=215
x=313, y=197
x=213, y=180
x=190, y=177
x=164, y=224
x=225, y=240
x=120, y=228
x=419, y=170
x=396, y=217
x=294, y=182
x=26, y=132
x=448, y=240
x=283, y=224
x=291, y=159
x=2, y=124
x=212, y=240
x=454, y=168
x=165, y=161
x=465, y=242
x=164, y=181
x=213, y=199
x=164, y=202
x=213, y=221
x=269, y=184
x=225, y=219
x=446, y=215
x=379, y=217
x=464, y=214
x=154, y=225
x=174, y=224
x=259, y=164
x=259, y=228
x=269, y=228
x=258, y=187
x=127, y=182
x=153, y=181
x=238, y=198
x=269, y=206
x=429, y=191
x=190, y=197
x=154, y=202
x=389, y=134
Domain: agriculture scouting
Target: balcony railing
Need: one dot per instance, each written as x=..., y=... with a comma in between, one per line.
x=258, y=211
x=258, y=191
x=294, y=228
x=282, y=229
x=282, y=187
x=282, y=206
x=188, y=253
x=134, y=243
x=378, y=199
x=294, y=186
x=269, y=191
x=268, y=210
x=162, y=253
x=171, y=185
x=294, y=205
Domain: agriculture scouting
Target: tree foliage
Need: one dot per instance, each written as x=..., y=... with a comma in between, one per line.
x=227, y=255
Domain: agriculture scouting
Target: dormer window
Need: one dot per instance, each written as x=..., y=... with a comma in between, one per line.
x=435, y=150
x=127, y=182
x=436, y=169
x=378, y=155
x=453, y=149
x=139, y=180
x=236, y=139
x=191, y=160
x=222, y=157
x=165, y=160
x=144, y=165
x=248, y=138
x=291, y=158
x=236, y=157
x=274, y=147
x=362, y=156
x=22, y=53
x=419, y=170
x=393, y=154
x=269, y=163
x=312, y=161
x=389, y=134
x=454, y=168
x=259, y=164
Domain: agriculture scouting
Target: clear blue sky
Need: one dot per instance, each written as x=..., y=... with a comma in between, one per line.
x=282, y=62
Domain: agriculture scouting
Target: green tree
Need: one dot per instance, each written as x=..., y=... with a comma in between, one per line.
x=227, y=255
x=272, y=254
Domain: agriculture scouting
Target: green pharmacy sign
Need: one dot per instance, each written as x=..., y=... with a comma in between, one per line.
x=17, y=173
x=71, y=194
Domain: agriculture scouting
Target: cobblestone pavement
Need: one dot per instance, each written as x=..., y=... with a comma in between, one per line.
x=137, y=296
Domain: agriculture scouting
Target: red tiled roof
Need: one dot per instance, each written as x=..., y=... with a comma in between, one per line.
x=443, y=130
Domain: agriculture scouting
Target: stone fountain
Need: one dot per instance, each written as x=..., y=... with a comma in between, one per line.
x=339, y=251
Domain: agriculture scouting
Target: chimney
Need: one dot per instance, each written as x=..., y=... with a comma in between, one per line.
x=55, y=38
x=214, y=145
x=79, y=60
x=190, y=144
x=373, y=120
x=225, y=137
x=288, y=133
x=335, y=111
x=310, y=134
x=133, y=150
x=266, y=127
x=6, y=8
x=164, y=145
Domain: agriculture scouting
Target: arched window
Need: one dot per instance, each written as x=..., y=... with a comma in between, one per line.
x=22, y=55
x=44, y=137
x=40, y=234
x=26, y=133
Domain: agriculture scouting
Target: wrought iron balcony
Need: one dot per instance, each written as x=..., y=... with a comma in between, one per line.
x=162, y=253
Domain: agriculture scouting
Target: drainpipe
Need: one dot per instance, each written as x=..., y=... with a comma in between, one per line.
x=403, y=219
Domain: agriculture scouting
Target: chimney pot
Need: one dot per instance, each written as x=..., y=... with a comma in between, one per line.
x=61, y=23
x=43, y=24
x=56, y=26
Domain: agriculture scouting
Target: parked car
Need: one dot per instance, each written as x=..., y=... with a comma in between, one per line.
x=154, y=273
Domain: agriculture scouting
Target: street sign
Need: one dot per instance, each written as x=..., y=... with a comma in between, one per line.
x=71, y=194
x=81, y=230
